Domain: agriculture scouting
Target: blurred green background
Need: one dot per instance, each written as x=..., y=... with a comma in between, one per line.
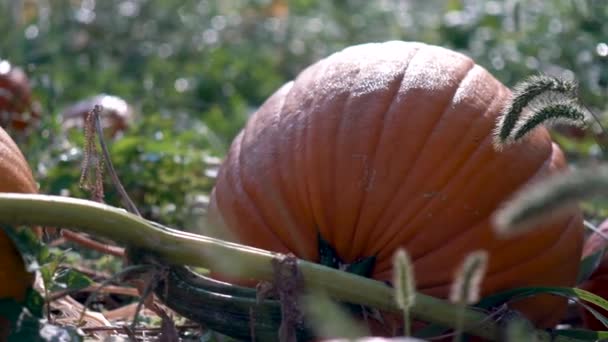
x=195, y=69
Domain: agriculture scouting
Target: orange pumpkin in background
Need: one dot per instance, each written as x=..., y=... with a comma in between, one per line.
x=389, y=145
x=598, y=281
x=116, y=115
x=16, y=176
x=17, y=109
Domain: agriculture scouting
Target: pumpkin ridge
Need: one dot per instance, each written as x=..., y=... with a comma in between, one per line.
x=431, y=286
x=551, y=163
x=388, y=236
x=345, y=244
x=454, y=173
x=302, y=202
x=16, y=167
x=484, y=213
x=475, y=226
x=288, y=218
x=481, y=219
x=480, y=224
x=555, y=257
x=382, y=130
x=339, y=134
x=290, y=227
x=296, y=204
x=544, y=252
x=305, y=192
x=237, y=181
x=17, y=177
x=312, y=162
x=521, y=264
x=226, y=179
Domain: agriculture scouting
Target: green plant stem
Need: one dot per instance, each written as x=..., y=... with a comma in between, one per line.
x=407, y=330
x=184, y=248
x=460, y=323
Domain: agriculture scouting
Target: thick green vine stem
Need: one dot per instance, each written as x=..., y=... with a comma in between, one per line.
x=182, y=248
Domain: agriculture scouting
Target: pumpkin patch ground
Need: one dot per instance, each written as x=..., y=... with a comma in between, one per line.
x=303, y=171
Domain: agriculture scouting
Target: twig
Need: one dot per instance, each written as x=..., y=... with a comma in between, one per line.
x=106, y=282
x=97, y=288
x=131, y=207
x=179, y=327
x=92, y=244
x=147, y=291
x=91, y=273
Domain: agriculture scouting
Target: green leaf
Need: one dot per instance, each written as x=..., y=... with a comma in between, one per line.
x=10, y=308
x=582, y=334
x=27, y=244
x=329, y=257
x=34, y=302
x=589, y=264
x=69, y=279
x=595, y=313
x=362, y=267
x=327, y=254
x=23, y=325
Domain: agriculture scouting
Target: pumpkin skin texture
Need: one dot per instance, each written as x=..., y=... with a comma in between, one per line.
x=16, y=177
x=388, y=145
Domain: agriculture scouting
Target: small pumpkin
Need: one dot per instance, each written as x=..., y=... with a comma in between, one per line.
x=388, y=145
x=597, y=283
x=17, y=109
x=116, y=115
x=16, y=177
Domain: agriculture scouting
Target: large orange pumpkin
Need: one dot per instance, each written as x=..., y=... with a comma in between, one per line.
x=16, y=176
x=386, y=145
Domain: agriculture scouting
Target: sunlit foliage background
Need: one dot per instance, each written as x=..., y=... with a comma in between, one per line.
x=195, y=69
